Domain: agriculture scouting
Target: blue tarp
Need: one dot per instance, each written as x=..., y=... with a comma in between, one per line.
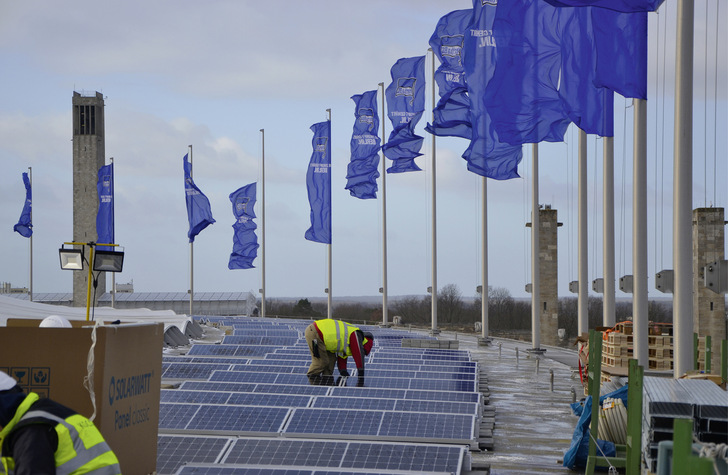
x=579, y=449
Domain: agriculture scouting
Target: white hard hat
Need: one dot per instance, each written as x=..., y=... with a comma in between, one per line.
x=55, y=321
x=6, y=382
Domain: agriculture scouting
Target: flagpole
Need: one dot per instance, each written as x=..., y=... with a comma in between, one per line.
x=608, y=315
x=30, y=241
x=535, y=260
x=385, y=314
x=192, y=253
x=434, y=331
x=113, y=274
x=328, y=289
x=484, y=267
x=583, y=275
x=640, y=318
x=262, y=225
x=683, y=190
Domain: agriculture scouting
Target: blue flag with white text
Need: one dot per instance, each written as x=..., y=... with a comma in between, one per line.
x=362, y=172
x=318, y=184
x=405, y=106
x=245, y=242
x=105, y=214
x=626, y=6
x=199, y=213
x=451, y=116
x=486, y=155
x=25, y=224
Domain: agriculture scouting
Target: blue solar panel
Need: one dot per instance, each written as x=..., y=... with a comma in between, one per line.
x=173, y=451
x=239, y=419
x=230, y=350
x=213, y=386
x=302, y=453
x=176, y=416
x=266, y=368
x=431, y=426
x=442, y=396
x=200, y=469
x=376, y=382
x=259, y=340
x=199, y=397
x=372, y=393
x=448, y=407
x=259, y=399
x=442, y=385
x=204, y=359
x=291, y=389
x=325, y=421
x=298, y=378
x=414, y=458
x=190, y=370
x=354, y=403
x=243, y=377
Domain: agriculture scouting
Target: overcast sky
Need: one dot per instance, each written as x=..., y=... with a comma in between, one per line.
x=213, y=73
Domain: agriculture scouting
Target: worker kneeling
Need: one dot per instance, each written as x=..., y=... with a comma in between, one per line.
x=332, y=342
x=40, y=436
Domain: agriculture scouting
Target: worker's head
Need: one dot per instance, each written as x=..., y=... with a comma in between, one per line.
x=55, y=321
x=11, y=395
x=368, y=342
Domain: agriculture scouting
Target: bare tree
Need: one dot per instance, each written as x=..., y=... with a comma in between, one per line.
x=450, y=304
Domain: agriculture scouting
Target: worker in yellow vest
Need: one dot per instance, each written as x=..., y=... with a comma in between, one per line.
x=332, y=342
x=40, y=436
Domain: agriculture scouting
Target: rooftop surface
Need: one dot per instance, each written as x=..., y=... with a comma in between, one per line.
x=245, y=406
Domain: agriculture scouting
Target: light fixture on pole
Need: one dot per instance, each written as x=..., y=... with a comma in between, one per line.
x=99, y=261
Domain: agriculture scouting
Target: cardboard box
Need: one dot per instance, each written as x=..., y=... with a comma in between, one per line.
x=126, y=380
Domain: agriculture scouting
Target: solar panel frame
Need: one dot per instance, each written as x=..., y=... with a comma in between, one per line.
x=239, y=420
x=194, y=397
x=311, y=422
x=174, y=450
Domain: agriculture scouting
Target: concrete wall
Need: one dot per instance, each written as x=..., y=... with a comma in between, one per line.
x=88, y=156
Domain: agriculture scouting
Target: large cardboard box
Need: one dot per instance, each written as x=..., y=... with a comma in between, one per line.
x=127, y=367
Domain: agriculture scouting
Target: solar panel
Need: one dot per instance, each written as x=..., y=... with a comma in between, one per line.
x=266, y=368
x=191, y=370
x=203, y=359
x=302, y=453
x=173, y=451
x=213, y=386
x=372, y=393
x=176, y=416
x=259, y=399
x=411, y=457
x=327, y=422
x=198, y=397
x=291, y=389
x=238, y=419
x=447, y=407
x=230, y=350
x=442, y=385
x=354, y=403
x=260, y=340
x=243, y=377
x=203, y=469
x=431, y=426
x=442, y=396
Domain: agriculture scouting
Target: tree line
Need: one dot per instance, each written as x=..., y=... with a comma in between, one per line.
x=505, y=314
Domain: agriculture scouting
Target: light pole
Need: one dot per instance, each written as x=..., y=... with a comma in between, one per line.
x=100, y=261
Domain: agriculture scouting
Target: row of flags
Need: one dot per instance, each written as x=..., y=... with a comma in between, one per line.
x=510, y=73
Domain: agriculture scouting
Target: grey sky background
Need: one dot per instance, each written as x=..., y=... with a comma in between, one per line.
x=212, y=74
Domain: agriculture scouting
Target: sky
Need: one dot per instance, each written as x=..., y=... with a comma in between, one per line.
x=212, y=74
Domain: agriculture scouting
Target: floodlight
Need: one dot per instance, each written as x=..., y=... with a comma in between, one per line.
x=108, y=261
x=71, y=259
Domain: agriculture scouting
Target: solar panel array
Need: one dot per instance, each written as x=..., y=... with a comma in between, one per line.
x=245, y=405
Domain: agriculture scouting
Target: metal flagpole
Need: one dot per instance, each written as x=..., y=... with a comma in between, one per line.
x=328, y=289
x=385, y=314
x=583, y=308
x=113, y=274
x=639, y=239
x=192, y=255
x=30, y=240
x=535, y=260
x=484, y=266
x=683, y=190
x=609, y=316
x=435, y=331
x=262, y=225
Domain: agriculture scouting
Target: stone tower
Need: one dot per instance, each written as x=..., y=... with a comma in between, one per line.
x=549, y=275
x=709, y=316
x=88, y=156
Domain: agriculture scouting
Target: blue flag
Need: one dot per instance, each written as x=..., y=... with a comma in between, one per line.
x=405, y=105
x=626, y=6
x=105, y=214
x=362, y=173
x=245, y=242
x=621, y=49
x=318, y=183
x=522, y=97
x=199, y=213
x=25, y=225
x=487, y=155
x=591, y=108
x=452, y=112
